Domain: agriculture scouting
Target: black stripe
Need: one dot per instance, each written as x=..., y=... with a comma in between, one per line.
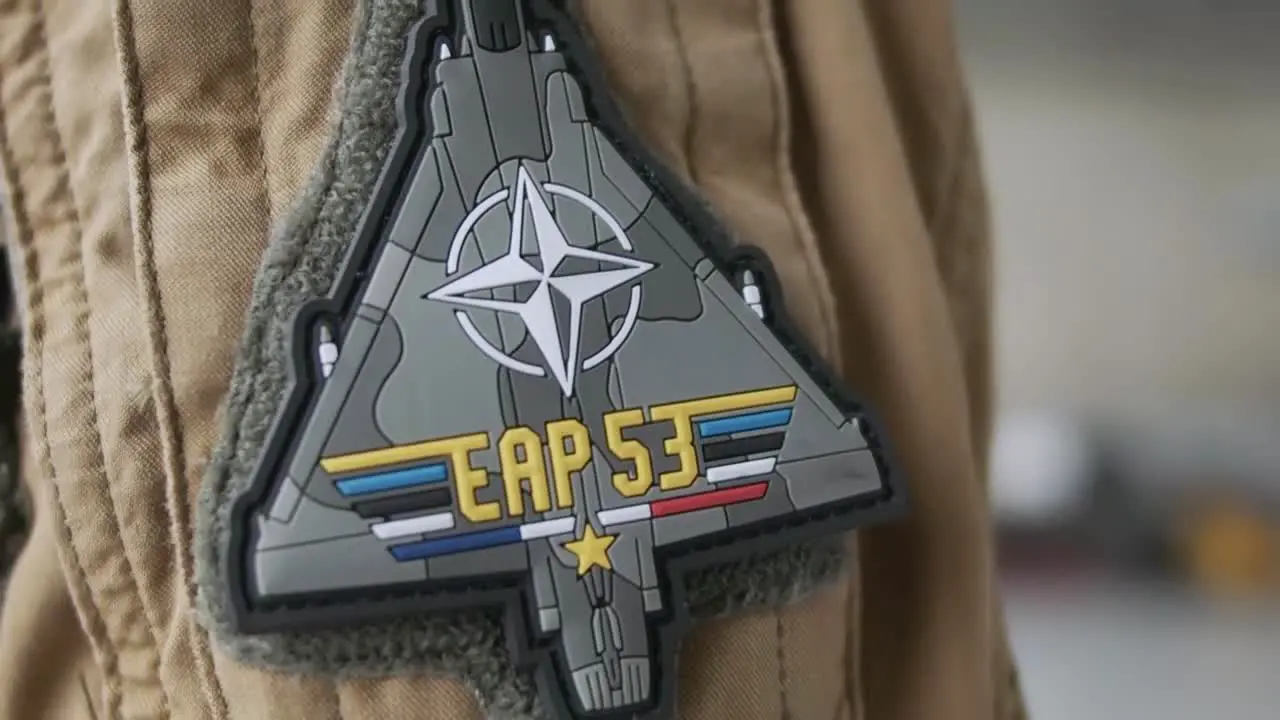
x=413, y=502
x=741, y=447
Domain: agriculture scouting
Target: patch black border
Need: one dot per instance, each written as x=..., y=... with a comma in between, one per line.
x=529, y=649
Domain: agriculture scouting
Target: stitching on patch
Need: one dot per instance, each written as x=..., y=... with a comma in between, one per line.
x=139, y=153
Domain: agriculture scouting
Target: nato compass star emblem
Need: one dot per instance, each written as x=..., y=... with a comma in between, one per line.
x=543, y=381
x=559, y=271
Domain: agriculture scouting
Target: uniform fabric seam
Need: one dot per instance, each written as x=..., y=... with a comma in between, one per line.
x=780, y=637
x=688, y=88
x=82, y=337
x=255, y=55
x=941, y=220
x=802, y=231
x=108, y=657
x=166, y=407
x=782, y=177
x=86, y=604
x=851, y=662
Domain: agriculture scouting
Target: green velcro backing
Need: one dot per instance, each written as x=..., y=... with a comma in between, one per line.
x=300, y=265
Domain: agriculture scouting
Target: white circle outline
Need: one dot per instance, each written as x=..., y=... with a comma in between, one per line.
x=468, y=224
x=482, y=343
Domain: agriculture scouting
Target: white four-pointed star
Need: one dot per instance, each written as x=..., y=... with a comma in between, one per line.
x=538, y=311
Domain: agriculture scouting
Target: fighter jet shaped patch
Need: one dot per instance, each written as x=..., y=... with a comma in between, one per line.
x=543, y=380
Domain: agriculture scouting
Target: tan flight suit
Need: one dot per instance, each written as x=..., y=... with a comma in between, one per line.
x=148, y=147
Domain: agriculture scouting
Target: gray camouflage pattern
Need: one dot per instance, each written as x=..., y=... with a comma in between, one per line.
x=530, y=275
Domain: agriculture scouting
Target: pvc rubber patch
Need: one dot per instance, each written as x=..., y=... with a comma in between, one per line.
x=544, y=380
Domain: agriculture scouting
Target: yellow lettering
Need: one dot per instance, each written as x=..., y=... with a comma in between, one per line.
x=681, y=414
x=566, y=462
x=629, y=485
x=469, y=480
x=516, y=470
x=680, y=446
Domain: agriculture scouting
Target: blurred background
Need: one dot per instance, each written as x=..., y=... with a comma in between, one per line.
x=1133, y=156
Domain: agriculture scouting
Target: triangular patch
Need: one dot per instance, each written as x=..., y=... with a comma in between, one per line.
x=543, y=379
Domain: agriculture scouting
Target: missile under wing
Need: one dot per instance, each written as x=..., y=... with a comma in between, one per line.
x=543, y=380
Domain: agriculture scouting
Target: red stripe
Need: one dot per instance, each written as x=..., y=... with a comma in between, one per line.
x=715, y=498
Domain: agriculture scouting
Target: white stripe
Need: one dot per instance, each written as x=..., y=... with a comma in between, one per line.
x=547, y=528
x=623, y=515
x=413, y=526
x=735, y=471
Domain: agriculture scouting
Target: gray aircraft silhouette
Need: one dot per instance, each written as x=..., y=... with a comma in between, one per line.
x=542, y=371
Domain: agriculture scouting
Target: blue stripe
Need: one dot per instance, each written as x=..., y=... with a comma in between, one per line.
x=393, y=480
x=745, y=423
x=456, y=544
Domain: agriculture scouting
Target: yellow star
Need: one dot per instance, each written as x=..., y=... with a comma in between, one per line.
x=592, y=550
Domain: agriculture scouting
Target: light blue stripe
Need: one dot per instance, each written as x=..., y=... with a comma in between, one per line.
x=393, y=480
x=744, y=423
